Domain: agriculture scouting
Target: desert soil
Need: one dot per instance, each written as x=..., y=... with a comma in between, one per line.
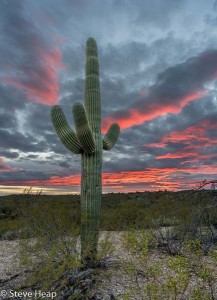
x=111, y=282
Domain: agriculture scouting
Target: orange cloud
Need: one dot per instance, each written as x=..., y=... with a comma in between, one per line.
x=195, y=141
x=150, y=110
x=148, y=179
x=174, y=88
x=43, y=85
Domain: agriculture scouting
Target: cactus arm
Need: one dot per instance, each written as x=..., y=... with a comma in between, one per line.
x=67, y=136
x=111, y=137
x=84, y=132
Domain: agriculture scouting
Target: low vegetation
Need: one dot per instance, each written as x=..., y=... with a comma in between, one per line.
x=168, y=240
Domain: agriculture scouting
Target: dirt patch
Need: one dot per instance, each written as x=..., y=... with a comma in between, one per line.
x=112, y=281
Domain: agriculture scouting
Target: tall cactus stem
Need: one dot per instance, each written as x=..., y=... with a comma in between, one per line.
x=88, y=142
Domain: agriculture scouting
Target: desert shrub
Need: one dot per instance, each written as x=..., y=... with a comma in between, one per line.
x=105, y=247
x=53, y=248
x=9, y=229
x=185, y=276
x=119, y=211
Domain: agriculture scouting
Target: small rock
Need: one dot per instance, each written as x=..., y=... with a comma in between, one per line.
x=96, y=296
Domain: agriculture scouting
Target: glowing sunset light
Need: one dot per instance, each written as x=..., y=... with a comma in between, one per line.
x=150, y=110
x=43, y=86
x=158, y=81
x=154, y=177
x=193, y=137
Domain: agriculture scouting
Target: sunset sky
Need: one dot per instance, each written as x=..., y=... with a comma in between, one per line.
x=158, y=73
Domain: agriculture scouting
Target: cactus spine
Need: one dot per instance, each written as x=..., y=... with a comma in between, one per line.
x=87, y=141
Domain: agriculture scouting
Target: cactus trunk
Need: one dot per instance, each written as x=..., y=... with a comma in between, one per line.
x=91, y=183
x=90, y=204
x=87, y=141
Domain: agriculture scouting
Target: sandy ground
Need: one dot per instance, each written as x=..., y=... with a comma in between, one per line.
x=12, y=276
x=113, y=281
x=8, y=264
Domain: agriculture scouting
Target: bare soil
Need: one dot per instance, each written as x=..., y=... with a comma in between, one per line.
x=111, y=283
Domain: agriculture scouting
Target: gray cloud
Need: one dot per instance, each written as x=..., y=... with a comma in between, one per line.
x=147, y=59
x=26, y=54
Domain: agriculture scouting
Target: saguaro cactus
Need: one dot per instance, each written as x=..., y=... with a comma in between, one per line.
x=87, y=141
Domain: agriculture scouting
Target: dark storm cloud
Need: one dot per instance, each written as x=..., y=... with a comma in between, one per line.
x=129, y=70
x=126, y=70
x=7, y=120
x=128, y=58
x=74, y=90
x=22, y=175
x=39, y=119
x=41, y=133
x=135, y=72
x=8, y=153
x=134, y=142
x=25, y=54
x=175, y=88
x=11, y=100
x=18, y=141
x=138, y=163
x=189, y=75
x=191, y=114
